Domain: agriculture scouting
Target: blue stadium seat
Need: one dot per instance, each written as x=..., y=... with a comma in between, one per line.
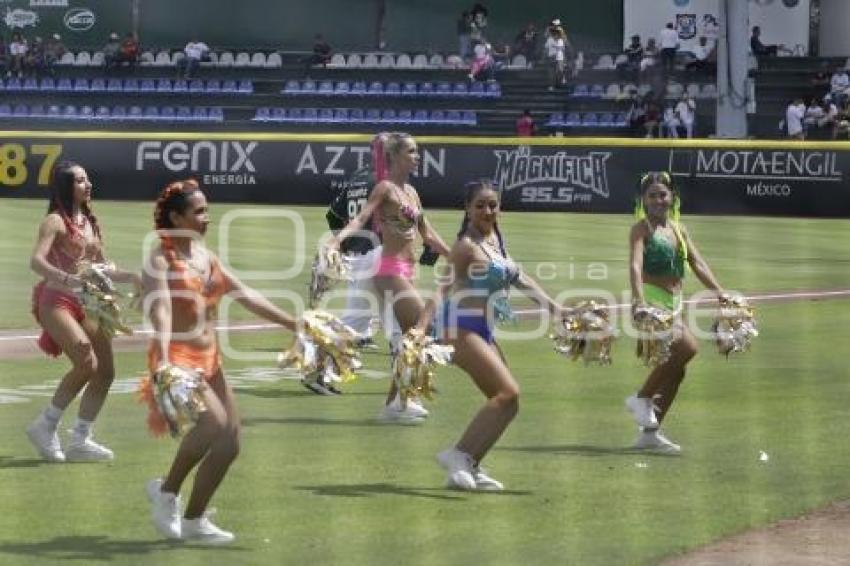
x=468, y=118
x=294, y=115
x=572, y=120
x=392, y=89
x=200, y=114
x=556, y=119
x=580, y=91
x=621, y=119
x=63, y=85
x=213, y=86
x=326, y=115
x=263, y=114
x=86, y=113
x=409, y=89
x=102, y=113
x=405, y=116
x=135, y=113
x=494, y=90
x=163, y=86
x=216, y=114
x=341, y=115
x=376, y=88
x=308, y=87
x=326, y=88
x=131, y=85
x=30, y=84
x=389, y=116
x=21, y=111
x=597, y=91
x=184, y=113
x=147, y=85
x=590, y=119
x=245, y=87
x=279, y=114
x=118, y=113
x=438, y=117
x=310, y=115
x=196, y=86
x=358, y=88
x=291, y=87
x=5, y=110
x=151, y=113
x=426, y=89
x=54, y=111
x=372, y=115
x=114, y=85
x=443, y=89
x=453, y=117
x=37, y=111
x=180, y=85
x=606, y=119
x=47, y=84
x=167, y=113
x=229, y=86
x=355, y=115
x=460, y=89
x=420, y=117
x=342, y=88
x=69, y=112
x=97, y=85
x=477, y=89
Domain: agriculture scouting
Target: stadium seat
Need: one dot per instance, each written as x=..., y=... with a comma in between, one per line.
x=597, y=91
x=355, y=115
x=612, y=92
x=5, y=111
x=370, y=61
x=337, y=61
x=709, y=91
x=229, y=86
x=151, y=113
x=572, y=120
x=468, y=118
x=69, y=112
x=341, y=115
x=184, y=114
x=621, y=119
x=163, y=59
x=118, y=113
x=310, y=115
x=102, y=113
x=167, y=113
x=146, y=59
x=426, y=89
x=326, y=88
x=225, y=59
x=83, y=59
x=130, y=85
x=81, y=85
x=358, y=88
x=354, y=61
x=274, y=61
x=405, y=116
x=476, y=89
x=606, y=119
x=494, y=90
x=294, y=115
x=403, y=62
x=86, y=112
x=643, y=89
x=454, y=62
x=605, y=62
x=387, y=61
x=326, y=115
x=97, y=59
x=147, y=85
x=389, y=116
x=16, y=85
x=409, y=89
x=278, y=115
x=420, y=61
x=180, y=86
x=37, y=111
x=291, y=87
x=372, y=115
x=308, y=87
x=376, y=88
x=556, y=119
x=674, y=90
x=245, y=86
x=47, y=84
x=258, y=60
x=114, y=85
x=29, y=84
x=263, y=114
x=519, y=61
x=443, y=89
x=392, y=89
x=590, y=119
x=21, y=111
x=216, y=114
x=67, y=58
x=438, y=117
x=200, y=113
x=53, y=111
x=436, y=61
x=342, y=88
x=97, y=85
x=581, y=90
x=420, y=117
x=62, y=85
x=460, y=89
x=453, y=117
x=163, y=86
x=243, y=59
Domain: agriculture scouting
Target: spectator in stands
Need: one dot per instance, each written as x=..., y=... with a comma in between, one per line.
x=196, y=51
x=759, y=49
x=630, y=68
x=17, y=55
x=129, y=50
x=321, y=53
x=501, y=55
x=479, y=15
x=111, y=52
x=525, y=126
x=822, y=116
x=34, y=59
x=464, y=32
x=821, y=80
x=483, y=66
x=4, y=56
x=650, y=55
x=556, y=54
x=681, y=116
x=652, y=115
x=53, y=51
x=839, y=86
x=842, y=122
x=706, y=58
x=794, y=114
x=710, y=30
x=669, y=45
x=526, y=44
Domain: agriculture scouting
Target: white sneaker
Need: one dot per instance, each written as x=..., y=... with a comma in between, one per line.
x=655, y=441
x=642, y=410
x=46, y=440
x=85, y=449
x=204, y=531
x=483, y=482
x=412, y=413
x=165, y=509
x=458, y=466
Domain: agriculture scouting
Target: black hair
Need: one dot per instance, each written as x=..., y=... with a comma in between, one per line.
x=472, y=189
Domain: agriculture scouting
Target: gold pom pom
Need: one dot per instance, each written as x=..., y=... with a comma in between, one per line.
x=585, y=334
x=735, y=326
x=413, y=367
x=655, y=328
x=177, y=393
x=99, y=298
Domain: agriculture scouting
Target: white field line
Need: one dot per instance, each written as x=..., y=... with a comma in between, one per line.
x=267, y=326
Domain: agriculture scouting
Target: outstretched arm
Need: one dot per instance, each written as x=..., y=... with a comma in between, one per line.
x=376, y=197
x=700, y=266
x=536, y=293
x=432, y=238
x=256, y=303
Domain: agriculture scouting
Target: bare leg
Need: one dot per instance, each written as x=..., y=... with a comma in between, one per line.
x=407, y=306
x=488, y=370
x=665, y=379
x=98, y=385
x=77, y=345
x=222, y=452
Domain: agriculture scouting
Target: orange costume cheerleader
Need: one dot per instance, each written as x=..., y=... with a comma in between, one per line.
x=206, y=360
x=65, y=254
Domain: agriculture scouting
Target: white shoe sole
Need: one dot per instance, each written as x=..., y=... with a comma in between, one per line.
x=56, y=457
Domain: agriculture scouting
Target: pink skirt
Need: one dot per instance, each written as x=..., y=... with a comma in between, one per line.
x=43, y=295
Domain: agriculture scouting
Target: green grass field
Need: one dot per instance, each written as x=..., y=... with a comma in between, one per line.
x=319, y=481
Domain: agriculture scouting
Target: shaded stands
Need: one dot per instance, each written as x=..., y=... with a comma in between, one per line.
x=778, y=80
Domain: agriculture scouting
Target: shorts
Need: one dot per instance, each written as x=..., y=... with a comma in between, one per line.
x=662, y=298
x=454, y=317
x=395, y=266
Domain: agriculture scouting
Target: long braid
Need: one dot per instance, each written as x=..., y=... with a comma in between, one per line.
x=463, y=225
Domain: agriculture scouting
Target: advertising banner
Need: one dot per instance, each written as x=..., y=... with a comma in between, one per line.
x=551, y=174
